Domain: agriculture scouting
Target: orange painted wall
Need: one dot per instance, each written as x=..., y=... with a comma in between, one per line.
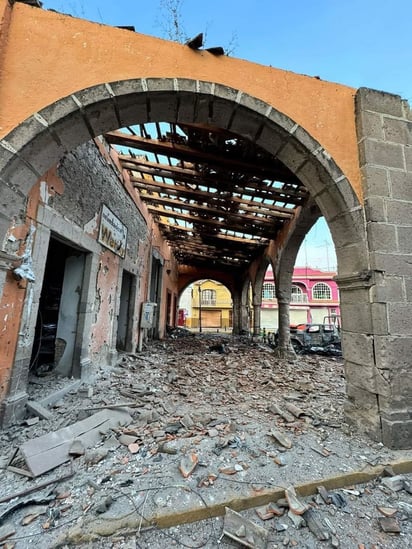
x=11, y=306
x=49, y=55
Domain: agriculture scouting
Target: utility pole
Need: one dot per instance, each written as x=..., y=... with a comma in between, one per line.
x=200, y=307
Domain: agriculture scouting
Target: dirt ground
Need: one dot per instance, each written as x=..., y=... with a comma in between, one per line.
x=211, y=425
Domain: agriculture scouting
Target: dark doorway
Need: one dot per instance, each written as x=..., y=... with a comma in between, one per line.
x=57, y=319
x=123, y=340
x=155, y=295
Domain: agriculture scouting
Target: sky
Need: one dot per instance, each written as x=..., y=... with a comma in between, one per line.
x=359, y=43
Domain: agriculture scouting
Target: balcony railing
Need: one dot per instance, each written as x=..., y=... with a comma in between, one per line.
x=298, y=298
x=208, y=302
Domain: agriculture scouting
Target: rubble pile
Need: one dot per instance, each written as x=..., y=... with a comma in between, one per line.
x=209, y=430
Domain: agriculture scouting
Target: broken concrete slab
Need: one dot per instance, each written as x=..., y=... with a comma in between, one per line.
x=395, y=483
x=51, y=450
x=38, y=409
x=244, y=531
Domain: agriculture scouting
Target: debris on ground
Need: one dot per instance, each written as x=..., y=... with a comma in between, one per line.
x=206, y=431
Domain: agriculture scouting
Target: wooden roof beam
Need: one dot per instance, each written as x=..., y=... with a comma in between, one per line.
x=225, y=214
x=181, y=191
x=237, y=227
x=185, y=152
x=194, y=177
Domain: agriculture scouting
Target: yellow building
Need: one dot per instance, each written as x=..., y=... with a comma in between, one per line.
x=211, y=306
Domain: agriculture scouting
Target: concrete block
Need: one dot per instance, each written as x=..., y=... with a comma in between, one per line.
x=327, y=162
x=352, y=258
x=20, y=176
x=399, y=212
x=330, y=202
x=398, y=131
x=355, y=296
x=6, y=156
x=132, y=109
x=163, y=106
x=347, y=193
x=282, y=122
x=187, y=108
x=397, y=434
x=36, y=408
x=400, y=319
x=347, y=228
x=205, y=88
x=366, y=377
x=388, y=289
x=401, y=185
x=361, y=376
x=381, y=153
x=393, y=353
x=293, y=155
x=59, y=110
x=382, y=237
x=132, y=86
x=375, y=181
x=378, y=101
x=11, y=200
x=408, y=288
x=379, y=318
x=357, y=347
x=405, y=239
x=72, y=130
x=271, y=139
x=221, y=112
x=102, y=117
x=314, y=176
x=24, y=133
x=306, y=140
x=225, y=92
x=361, y=409
x=391, y=264
x=43, y=152
x=93, y=95
x=259, y=107
x=203, y=108
x=246, y=123
x=408, y=158
x=13, y=409
x=375, y=209
x=369, y=124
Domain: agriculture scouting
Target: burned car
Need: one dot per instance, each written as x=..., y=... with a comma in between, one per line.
x=315, y=338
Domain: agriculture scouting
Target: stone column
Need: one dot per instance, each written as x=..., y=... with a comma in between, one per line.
x=382, y=347
x=256, y=319
x=236, y=316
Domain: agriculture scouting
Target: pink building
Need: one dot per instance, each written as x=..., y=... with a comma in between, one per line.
x=314, y=298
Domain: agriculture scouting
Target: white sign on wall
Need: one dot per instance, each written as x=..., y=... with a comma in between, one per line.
x=148, y=314
x=112, y=232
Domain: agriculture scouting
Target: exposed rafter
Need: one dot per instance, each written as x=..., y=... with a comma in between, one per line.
x=218, y=199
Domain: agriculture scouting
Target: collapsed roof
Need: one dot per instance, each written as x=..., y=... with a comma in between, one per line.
x=218, y=198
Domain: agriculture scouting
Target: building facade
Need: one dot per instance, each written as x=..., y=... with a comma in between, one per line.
x=314, y=298
x=210, y=306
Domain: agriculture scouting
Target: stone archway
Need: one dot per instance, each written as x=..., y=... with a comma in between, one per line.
x=40, y=141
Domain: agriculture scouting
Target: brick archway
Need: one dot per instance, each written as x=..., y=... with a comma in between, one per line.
x=36, y=144
x=40, y=141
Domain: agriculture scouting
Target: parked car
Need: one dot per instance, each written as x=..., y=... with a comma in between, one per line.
x=307, y=337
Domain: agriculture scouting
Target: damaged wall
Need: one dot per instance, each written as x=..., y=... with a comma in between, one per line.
x=65, y=206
